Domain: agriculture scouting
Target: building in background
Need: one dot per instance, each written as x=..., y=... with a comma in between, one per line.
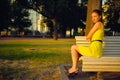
x=37, y=22
x=33, y=18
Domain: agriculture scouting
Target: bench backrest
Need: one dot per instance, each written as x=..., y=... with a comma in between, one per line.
x=111, y=44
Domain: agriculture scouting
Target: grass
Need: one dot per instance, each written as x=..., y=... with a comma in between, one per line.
x=38, y=56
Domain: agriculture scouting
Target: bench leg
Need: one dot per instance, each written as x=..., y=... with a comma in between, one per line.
x=99, y=76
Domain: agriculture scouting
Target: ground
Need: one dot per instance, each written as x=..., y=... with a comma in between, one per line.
x=25, y=70
x=36, y=59
x=89, y=75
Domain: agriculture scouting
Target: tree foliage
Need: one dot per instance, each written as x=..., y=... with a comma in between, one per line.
x=111, y=12
x=19, y=16
x=13, y=15
x=4, y=14
x=64, y=12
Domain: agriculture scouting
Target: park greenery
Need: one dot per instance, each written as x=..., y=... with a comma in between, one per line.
x=24, y=59
x=111, y=14
x=13, y=16
x=66, y=13
x=39, y=59
x=61, y=15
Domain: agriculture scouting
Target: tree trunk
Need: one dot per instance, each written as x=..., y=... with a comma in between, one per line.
x=62, y=32
x=70, y=32
x=55, y=35
x=92, y=4
x=0, y=33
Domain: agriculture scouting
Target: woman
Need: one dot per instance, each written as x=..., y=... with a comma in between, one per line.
x=95, y=36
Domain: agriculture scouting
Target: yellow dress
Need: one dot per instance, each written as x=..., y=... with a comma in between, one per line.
x=95, y=49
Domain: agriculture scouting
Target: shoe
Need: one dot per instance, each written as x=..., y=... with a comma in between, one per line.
x=71, y=74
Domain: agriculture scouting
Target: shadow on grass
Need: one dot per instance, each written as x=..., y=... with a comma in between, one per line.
x=10, y=73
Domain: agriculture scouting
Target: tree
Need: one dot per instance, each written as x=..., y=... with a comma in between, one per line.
x=63, y=12
x=111, y=12
x=19, y=16
x=4, y=14
x=92, y=4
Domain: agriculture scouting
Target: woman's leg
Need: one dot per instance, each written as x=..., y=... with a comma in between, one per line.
x=75, y=57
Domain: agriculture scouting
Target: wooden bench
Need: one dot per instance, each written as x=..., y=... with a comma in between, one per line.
x=109, y=62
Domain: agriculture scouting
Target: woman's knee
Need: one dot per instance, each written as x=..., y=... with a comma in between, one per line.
x=74, y=47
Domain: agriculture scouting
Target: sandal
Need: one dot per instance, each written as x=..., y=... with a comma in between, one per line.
x=71, y=74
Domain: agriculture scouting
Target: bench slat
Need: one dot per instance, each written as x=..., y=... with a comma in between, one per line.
x=100, y=70
x=111, y=55
x=109, y=50
x=108, y=54
x=102, y=63
x=104, y=42
x=104, y=57
x=101, y=66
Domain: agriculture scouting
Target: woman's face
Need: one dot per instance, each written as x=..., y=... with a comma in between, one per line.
x=95, y=17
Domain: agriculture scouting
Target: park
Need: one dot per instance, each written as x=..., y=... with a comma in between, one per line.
x=36, y=38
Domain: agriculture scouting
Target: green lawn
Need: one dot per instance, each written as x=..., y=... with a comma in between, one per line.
x=47, y=54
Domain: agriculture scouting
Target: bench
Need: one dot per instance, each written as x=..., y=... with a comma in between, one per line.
x=109, y=62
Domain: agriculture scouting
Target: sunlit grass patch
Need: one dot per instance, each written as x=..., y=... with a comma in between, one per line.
x=33, y=49
x=39, y=56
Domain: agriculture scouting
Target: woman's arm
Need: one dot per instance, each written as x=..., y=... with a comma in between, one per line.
x=93, y=30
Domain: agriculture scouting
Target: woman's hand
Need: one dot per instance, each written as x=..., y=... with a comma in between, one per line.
x=88, y=39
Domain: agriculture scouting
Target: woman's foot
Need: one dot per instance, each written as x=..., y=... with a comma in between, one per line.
x=71, y=72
